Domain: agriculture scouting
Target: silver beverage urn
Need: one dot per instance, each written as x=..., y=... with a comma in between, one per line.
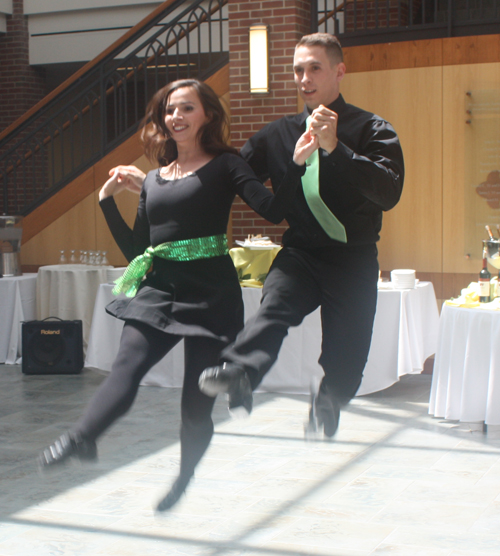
x=11, y=231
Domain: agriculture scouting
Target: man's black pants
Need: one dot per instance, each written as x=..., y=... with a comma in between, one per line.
x=298, y=283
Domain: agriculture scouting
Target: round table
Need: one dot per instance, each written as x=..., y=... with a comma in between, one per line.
x=68, y=291
x=466, y=376
x=17, y=304
x=404, y=335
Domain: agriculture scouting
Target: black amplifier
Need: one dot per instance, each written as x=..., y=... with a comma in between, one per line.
x=52, y=347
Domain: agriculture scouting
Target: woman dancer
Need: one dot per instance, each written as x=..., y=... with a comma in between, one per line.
x=192, y=290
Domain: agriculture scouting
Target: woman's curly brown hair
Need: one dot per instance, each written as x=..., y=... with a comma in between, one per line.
x=158, y=143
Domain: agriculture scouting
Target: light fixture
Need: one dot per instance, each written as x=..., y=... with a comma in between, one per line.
x=259, y=66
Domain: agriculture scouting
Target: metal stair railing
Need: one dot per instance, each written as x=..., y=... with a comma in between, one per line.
x=103, y=104
x=358, y=22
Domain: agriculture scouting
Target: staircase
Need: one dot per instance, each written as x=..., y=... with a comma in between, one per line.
x=48, y=155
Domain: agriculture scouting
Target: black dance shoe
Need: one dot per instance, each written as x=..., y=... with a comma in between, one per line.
x=230, y=379
x=174, y=494
x=323, y=414
x=65, y=447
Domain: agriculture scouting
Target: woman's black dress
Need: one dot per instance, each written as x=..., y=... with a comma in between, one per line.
x=200, y=297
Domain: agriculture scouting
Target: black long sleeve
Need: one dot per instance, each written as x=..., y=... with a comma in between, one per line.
x=131, y=242
x=272, y=207
x=359, y=179
x=197, y=205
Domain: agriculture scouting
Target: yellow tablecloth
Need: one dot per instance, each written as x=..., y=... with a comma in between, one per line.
x=253, y=265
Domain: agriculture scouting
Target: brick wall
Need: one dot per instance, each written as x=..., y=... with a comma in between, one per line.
x=21, y=86
x=288, y=20
x=375, y=13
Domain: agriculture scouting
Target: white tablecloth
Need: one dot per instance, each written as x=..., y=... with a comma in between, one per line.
x=17, y=304
x=405, y=334
x=466, y=377
x=69, y=292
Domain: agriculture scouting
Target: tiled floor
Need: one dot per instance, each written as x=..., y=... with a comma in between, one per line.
x=394, y=482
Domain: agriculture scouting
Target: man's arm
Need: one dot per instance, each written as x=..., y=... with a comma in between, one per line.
x=377, y=171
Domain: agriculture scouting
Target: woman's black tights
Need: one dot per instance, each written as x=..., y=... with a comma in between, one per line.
x=141, y=347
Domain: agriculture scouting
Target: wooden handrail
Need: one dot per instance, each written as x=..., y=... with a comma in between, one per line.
x=86, y=68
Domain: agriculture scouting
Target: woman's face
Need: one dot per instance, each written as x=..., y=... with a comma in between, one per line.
x=184, y=115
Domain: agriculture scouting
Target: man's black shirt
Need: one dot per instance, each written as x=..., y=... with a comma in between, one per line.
x=362, y=177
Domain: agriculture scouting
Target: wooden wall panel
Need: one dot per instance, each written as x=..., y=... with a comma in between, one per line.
x=425, y=53
x=471, y=50
x=220, y=81
x=411, y=100
x=82, y=226
x=74, y=230
x=397, y=55
x=69, y=196
x=457, y=80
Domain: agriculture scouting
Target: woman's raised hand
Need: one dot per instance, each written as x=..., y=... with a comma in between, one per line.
x=121, y=178
x=304, y=147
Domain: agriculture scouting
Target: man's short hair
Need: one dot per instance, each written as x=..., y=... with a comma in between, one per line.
x=329, y=42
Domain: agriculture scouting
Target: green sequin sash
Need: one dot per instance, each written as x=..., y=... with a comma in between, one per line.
x=181, y=250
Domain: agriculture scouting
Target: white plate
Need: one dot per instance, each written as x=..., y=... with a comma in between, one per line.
x=405, y=285
x=255, y=247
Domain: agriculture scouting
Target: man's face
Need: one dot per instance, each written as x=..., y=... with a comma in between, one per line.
x=317, y=80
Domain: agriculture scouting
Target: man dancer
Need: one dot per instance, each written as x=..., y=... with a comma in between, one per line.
x=329, y=255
